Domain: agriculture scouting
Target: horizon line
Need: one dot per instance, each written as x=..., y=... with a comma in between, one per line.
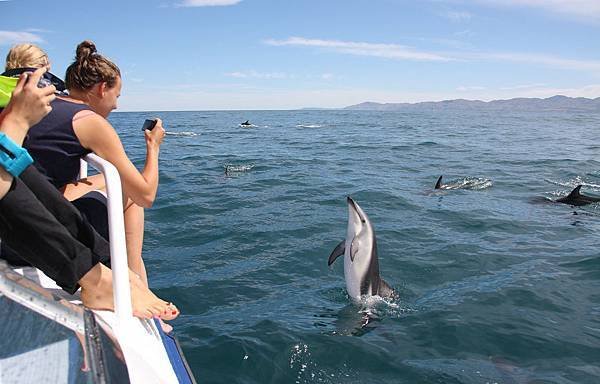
x=341, y=108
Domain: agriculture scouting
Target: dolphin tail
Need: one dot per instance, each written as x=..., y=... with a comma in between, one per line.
x=385, y=290
x=337, y=252
x=438, y=185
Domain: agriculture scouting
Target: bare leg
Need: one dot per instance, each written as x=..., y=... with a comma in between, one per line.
x=133, y=217
x=97, y=293
x=73, y=191
x=134, y=237
x=50, y=240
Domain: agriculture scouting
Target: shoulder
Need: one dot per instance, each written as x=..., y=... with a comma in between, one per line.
x=92, y=129
x=90, y=117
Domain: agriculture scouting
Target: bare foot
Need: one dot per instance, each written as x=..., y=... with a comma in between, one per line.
x=97, y=293
x=168, y=311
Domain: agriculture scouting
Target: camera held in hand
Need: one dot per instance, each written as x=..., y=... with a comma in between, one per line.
x=149, y=124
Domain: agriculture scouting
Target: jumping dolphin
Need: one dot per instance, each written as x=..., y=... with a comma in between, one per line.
x=361, y=264
x=576, y=198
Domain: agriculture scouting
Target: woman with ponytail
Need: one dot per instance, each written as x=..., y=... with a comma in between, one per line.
x=77, y=126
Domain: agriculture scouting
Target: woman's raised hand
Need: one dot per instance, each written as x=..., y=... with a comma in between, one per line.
x=28, y=103
x=155, y=137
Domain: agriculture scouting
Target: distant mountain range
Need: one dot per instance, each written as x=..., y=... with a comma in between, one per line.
x=551, y=103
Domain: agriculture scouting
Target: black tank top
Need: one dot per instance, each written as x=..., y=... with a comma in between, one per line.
x=53, y=144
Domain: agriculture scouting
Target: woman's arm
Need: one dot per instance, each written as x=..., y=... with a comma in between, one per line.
x=27, y=106
x=97, y=135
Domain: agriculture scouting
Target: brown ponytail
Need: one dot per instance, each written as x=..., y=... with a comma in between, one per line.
x=90, y=68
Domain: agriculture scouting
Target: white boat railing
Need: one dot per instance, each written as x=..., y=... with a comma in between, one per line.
x=116, y=231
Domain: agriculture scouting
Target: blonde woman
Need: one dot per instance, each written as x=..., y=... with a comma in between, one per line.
x=26, y=56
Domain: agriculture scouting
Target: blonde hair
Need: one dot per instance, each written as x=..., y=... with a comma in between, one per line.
x=26, y=56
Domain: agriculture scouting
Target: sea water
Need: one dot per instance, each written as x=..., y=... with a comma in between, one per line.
x=496, y=283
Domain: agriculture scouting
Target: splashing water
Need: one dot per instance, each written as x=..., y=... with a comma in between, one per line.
x=308, y=370
x=237, y=168
x=185, y=133
x=472, y=183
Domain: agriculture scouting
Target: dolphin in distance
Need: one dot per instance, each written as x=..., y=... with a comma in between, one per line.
x=438, y=184
x=577, y=199
x=361, y=263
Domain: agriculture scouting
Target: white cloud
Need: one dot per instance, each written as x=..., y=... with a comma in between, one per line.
x=522, y=86
x=15, y=37
x=451, y=43
x=458, y=16
x=208, y=3
x=470, y=88
x=240, y=75
x=258, y=75
x=38, y=30
x=581, y=8
x=540, y=59
x=465, y=33
x=389, y=51
x=394, y=51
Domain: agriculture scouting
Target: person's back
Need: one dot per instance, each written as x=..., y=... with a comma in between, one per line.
x=54, y=145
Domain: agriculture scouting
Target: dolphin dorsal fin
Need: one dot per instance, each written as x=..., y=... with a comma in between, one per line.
x=575, y=192
x=438, y=185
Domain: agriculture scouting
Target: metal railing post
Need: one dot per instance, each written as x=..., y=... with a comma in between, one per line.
x=116, y=230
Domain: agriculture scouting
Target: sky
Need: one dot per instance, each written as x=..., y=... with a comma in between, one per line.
x=289, y=54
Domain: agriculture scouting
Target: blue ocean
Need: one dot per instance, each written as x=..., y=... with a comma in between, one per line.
x=496, y=283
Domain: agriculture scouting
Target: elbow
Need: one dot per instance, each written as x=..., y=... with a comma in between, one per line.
x=145, y=201
x=141, y=197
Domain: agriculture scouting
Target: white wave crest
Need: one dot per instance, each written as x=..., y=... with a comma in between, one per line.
x=237, y=168
x=475, y=183
x=185, y=133
x=572, y=183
